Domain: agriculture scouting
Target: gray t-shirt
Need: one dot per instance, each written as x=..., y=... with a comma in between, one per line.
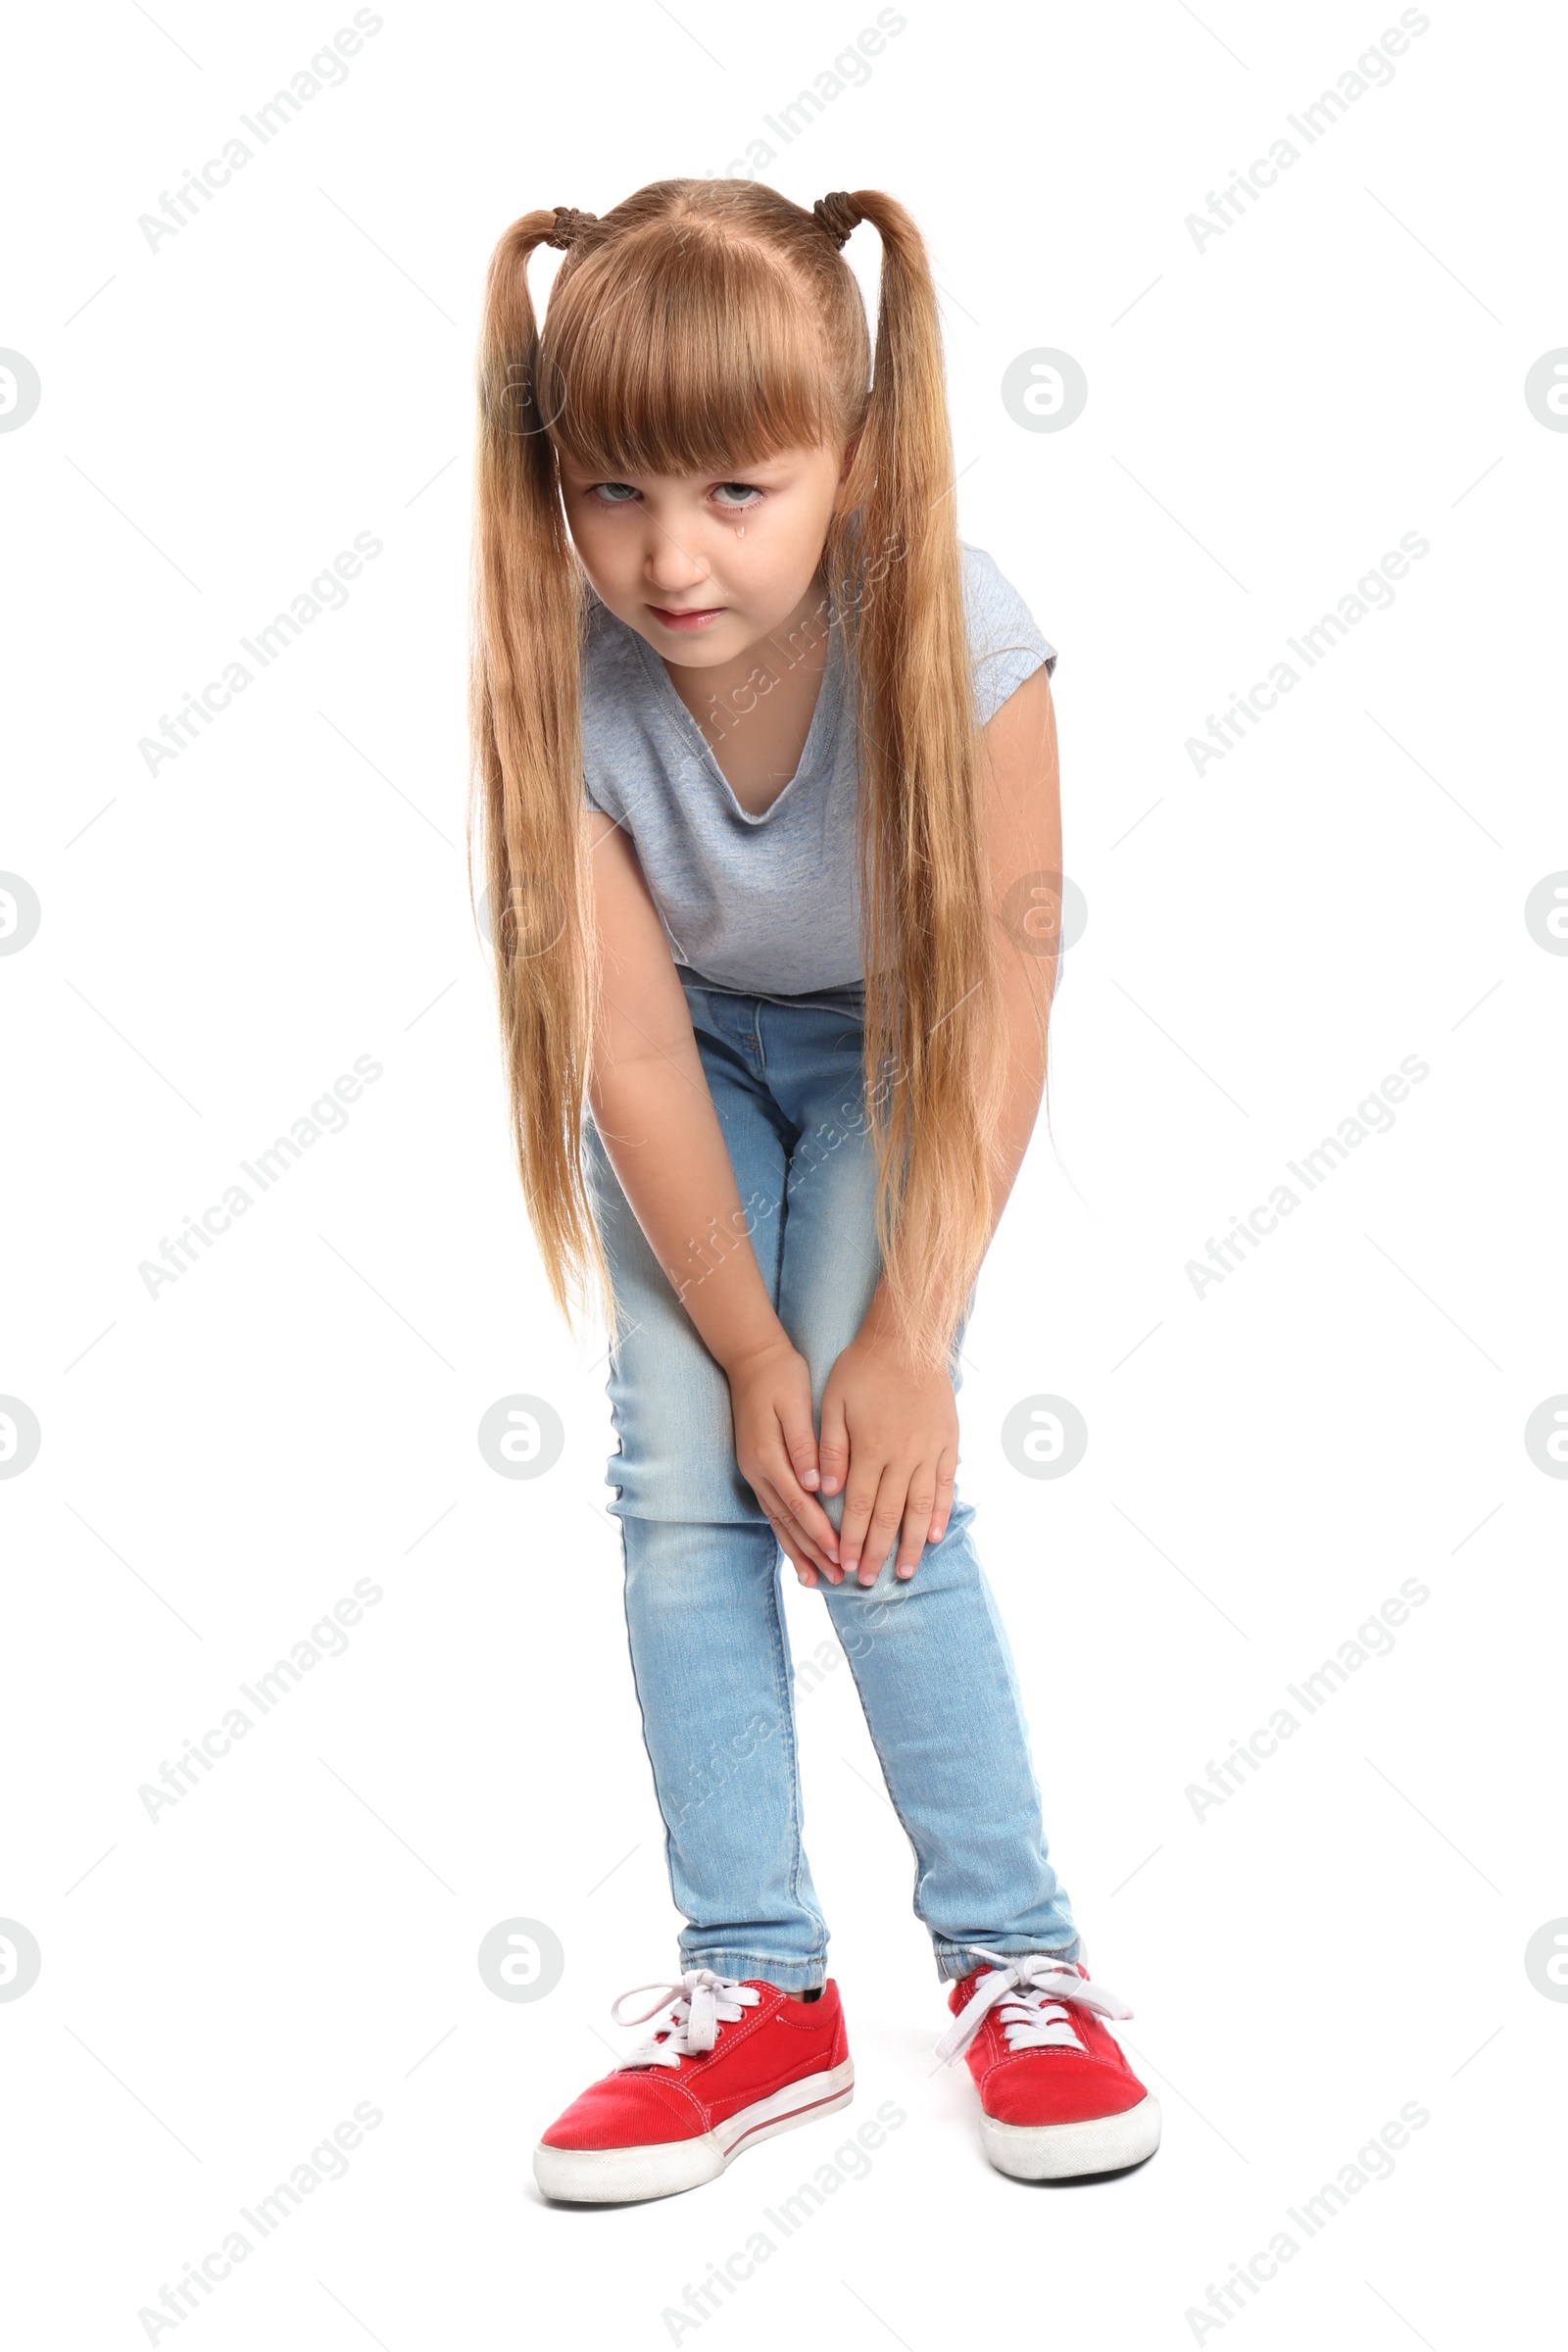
x=768, y=905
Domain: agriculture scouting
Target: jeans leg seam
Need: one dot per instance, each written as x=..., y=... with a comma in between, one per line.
x=669, y=1858
x=787, y=1709
x=1003, y=1650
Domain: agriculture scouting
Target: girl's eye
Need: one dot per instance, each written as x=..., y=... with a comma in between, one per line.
x=620, y=494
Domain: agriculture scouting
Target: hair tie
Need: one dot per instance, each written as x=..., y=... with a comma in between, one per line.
x=838, y=213
x=570, y=223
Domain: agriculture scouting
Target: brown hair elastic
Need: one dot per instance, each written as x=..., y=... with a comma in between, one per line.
x=838, y=214
x=569, y=224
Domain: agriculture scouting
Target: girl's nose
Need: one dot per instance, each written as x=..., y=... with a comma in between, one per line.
x=670, y=572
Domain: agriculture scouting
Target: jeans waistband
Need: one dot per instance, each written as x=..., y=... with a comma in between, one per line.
x=850, y=997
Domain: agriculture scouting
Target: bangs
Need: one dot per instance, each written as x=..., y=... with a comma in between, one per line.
x=678, y=351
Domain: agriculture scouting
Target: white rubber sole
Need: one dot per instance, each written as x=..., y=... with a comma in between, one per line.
x=1106, y=2143
x=618, y=2176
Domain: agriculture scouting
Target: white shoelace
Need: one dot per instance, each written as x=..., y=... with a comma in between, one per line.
x=1031, y=1989
x=702, y=2002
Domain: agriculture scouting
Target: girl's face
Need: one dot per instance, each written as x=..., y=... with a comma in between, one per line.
x=705, y=565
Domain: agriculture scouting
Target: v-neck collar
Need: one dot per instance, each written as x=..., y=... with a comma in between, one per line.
x=823, y=717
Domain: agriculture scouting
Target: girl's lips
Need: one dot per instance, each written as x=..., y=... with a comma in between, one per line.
x=695, y=618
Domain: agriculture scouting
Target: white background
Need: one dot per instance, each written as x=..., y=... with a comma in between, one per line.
x=1266, y=1464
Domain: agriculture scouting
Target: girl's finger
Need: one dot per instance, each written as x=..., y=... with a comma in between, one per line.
x=880, y=1514
x=942, y=1508
x=783, y=1536
x=805, y=1509
x=805, y=1571
x=800, y=1440
x=860, y=1503
x=784, y=1520
x=882, y=1533
x=833, y=1453
x=916, y=1522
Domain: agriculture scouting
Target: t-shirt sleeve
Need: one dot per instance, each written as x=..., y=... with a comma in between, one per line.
x=1005, y=644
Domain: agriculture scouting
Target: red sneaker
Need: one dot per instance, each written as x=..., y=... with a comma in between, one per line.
x=729, y=2062
x=1058, y=2098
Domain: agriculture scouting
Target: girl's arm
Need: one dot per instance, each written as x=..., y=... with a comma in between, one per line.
x=651, y=1103
x=892, y=1437
x=1020, y=779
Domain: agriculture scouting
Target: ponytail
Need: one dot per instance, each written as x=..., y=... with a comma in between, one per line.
x=529, y=610
x=933, y=998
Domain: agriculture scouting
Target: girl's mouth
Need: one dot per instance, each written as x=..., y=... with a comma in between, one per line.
x=696, y=617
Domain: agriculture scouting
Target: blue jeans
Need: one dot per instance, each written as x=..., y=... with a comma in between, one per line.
x=709, y=1649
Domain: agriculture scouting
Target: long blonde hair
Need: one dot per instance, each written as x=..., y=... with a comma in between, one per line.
x=699, y=326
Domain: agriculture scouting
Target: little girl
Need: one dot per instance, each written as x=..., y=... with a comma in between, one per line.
x=768, y=770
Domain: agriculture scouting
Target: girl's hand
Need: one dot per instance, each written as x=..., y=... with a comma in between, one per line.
x=895, y=1436
x=776, y=1450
